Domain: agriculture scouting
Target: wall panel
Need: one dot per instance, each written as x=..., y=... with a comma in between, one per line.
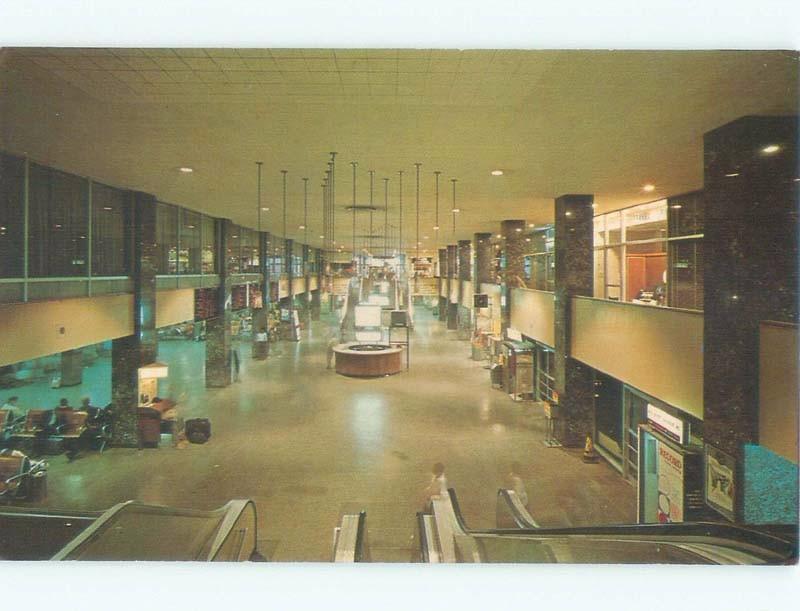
x=532, y=314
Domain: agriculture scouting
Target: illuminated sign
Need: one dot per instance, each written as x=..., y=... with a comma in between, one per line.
x=667, y=424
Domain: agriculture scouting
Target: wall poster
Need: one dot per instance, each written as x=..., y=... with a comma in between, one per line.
x=720, y=481
x=670, y=484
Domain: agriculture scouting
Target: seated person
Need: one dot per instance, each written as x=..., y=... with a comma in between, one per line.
x=61, y=411
x=86, y=406
x=11, y=404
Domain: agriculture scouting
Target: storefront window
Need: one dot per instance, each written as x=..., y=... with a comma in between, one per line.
x=12, y=216
x=540, y=264
x=58, y=223
x=166, y=239
x=249, y=250
x=277, y=254
x=110, y=218
x=685, y=251
x=233, y=250
x=608, y=414
x=190, y=248
x=545, y=383
x=209, y=243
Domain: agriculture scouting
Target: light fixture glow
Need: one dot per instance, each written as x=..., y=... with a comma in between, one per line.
x=456, y=210
x=518, y=229
x=436, y=227
x=531, y=225
x=265, y=209
x=770, y=149
x=676, y=206
x=648, y=188
x=498, y=236
x=186, y=170
x=497, y=172
x=732, y=175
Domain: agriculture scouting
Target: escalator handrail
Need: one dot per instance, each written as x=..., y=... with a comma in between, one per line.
x=521, y=517
x=358, y=554
x=783, y=546
x=423, y=538
x=233, y=509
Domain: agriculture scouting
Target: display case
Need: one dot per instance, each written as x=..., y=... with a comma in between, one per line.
x=517, y=358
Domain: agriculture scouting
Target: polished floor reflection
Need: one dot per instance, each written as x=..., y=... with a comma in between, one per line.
x=308, y=445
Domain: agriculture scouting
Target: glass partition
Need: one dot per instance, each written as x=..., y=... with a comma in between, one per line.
x=12, y=216
x=190, y=242
x=208, y=244
x=58, y=223
x=249, y=251
x=166, y=239
x=110, y=245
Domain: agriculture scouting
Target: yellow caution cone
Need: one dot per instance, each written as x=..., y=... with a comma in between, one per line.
x=589, y=453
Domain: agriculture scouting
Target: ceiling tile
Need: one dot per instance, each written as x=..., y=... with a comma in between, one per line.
x=141, y=63
x=221, y=52
x=250, y=53
x=350, y=54
x=382, y=90
x=319, y=64
x=382, y=77
x=318, y=53
x=156, y=76
x=413, y=65
x=360, y=89
x=126, y=52
x=382, y=65
x=171, y=63
x=190, y=52
x=261, y=63
x=159, y=52
x=382, y=53
x=128, y=76
x=349, y=64
x=263, y=76
x=445, y=54
x=231, y=64
x=204, y=64
x=184, y=76
x=348, y=78
x=291, y=64
x=323, y=77
x=213, y=77
x=443, y=65
x=110, y=63
x=80, y=62
x=286, y=53
x=50, y=63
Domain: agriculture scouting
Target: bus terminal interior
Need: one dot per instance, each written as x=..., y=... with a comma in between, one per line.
x=398, y=305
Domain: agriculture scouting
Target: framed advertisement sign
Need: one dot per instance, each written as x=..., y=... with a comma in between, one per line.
x=670, y=485
x=720, y=484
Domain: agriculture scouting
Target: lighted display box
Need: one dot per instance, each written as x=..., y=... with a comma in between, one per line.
x=148, y=381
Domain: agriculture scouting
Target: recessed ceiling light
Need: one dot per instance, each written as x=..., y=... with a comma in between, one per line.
x=301, y=226
x=594, y=206
x=322, y=237
x=648, y=188
x=424, y=237
x=531, y=225
x=568, y=213
x=265, y=209
x=497, y=172
x=436, y=227
x=186, y=170
x=527, y=239
x=108, y=208
x=770, y=149
x=456, y=210
x=676, y=206
x=732, y=175
x=518, y=229
x=499, y=235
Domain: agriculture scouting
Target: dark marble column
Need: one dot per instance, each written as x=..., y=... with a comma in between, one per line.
x=464, y=275
x=316, y=296
x=484, y=260
x=573, y=276
x=307, y=281
x=452, y=278
x=71, y=367
x=750, y=255
x=218, y=329
x=133, y=351
x=263, y=266
x=289, y=267
x=443, y=274
x=513, y=233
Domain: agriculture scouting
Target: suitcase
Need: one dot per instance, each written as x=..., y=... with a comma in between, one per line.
x=198, y=430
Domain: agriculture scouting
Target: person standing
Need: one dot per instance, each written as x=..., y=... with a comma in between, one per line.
x=235, y=357
x=333, y=341
x=437, y=488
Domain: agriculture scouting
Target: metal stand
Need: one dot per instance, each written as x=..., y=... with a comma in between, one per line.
x=406, y=343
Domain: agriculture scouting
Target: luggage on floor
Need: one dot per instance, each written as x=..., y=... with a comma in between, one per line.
x=198, y=430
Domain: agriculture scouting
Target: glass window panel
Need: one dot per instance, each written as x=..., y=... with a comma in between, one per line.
x=209, y=244
x=613, y=279
x=600, y=273
x=686, y=214
x=613, y=228
x=646, y=273
x=12, y=216
x=233, y=251
x=600, y=230
x=110, y=220
x=58, y=223
x=166, y=239
x=686, y=274
x=190, y=253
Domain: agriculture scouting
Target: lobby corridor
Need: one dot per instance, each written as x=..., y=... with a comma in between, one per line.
x=308, y=445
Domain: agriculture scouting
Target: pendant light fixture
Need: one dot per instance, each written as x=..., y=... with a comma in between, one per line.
x=354, y=164
x=385, y=217
x=284, y=172
x=371, y=207
x=400, y=234
x=455, y=210
x=305, y=211
x=332, y=190
x=258, y=202
x=436, y=226
x=417, y=166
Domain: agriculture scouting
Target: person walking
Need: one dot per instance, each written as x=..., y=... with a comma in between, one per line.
x=333, y=341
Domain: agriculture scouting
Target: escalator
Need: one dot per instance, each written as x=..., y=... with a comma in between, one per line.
x=445, y=537
x=350, y=539
x=132, y=531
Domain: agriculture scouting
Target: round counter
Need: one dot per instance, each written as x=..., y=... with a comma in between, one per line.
x=368, y=360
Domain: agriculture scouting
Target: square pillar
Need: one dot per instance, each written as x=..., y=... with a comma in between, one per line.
x=316, y=296
x=514, y=269
x=483, y=272
x=452, y=278
x=443, y=284
x=464, y=275
x=573, y=276
x=131, y=352
x=750, y=254
x=71, y=367
x=218, y=328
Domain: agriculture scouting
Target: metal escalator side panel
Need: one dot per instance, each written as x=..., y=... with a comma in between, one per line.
x=511, y=513
x=91, y=531
x=428, y=538
x=350, y=539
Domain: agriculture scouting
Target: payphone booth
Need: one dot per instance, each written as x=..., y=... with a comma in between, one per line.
x=517, y=377
x=670, y=487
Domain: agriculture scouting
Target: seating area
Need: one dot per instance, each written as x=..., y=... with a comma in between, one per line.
x=16, y=475
x=54, y=431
